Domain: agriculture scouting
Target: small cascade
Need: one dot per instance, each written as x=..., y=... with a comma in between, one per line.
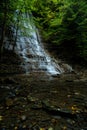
x=30, y=49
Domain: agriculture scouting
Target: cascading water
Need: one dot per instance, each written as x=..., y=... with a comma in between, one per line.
x=31, y=50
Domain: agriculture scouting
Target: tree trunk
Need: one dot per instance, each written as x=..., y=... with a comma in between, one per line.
x=15, y=38
x=17, y=27
x=3, y=30
x=2, y=39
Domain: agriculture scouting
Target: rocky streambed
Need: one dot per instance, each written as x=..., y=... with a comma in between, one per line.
x=37, y=101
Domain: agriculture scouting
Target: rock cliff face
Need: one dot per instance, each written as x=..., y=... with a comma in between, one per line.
x=25, y=41
x=10, y=63
x=31, y=51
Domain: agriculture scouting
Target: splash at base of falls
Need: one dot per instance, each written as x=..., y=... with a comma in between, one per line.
x=30, y=49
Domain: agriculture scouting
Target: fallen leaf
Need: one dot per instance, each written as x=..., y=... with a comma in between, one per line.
x=1, y=118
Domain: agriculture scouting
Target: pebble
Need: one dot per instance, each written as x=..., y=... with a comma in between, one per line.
x=32, y=99
x=9, y=102
x=23, y=117
x=50, y=128
x=3, y=129
x=15, y=128
x=42, y=128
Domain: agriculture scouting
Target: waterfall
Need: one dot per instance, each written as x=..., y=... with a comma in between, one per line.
x=31, y=50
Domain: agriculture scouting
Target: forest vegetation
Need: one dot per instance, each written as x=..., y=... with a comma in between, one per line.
x=63, y=23
x=43, y=89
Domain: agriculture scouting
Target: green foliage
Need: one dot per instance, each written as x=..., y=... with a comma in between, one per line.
x=64, y=23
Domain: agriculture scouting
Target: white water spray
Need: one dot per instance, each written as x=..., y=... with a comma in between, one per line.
x=30, y=49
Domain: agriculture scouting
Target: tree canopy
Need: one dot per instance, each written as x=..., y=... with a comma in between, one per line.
x=62, y=22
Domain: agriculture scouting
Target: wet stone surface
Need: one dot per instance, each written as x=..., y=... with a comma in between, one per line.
x=41, y=102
